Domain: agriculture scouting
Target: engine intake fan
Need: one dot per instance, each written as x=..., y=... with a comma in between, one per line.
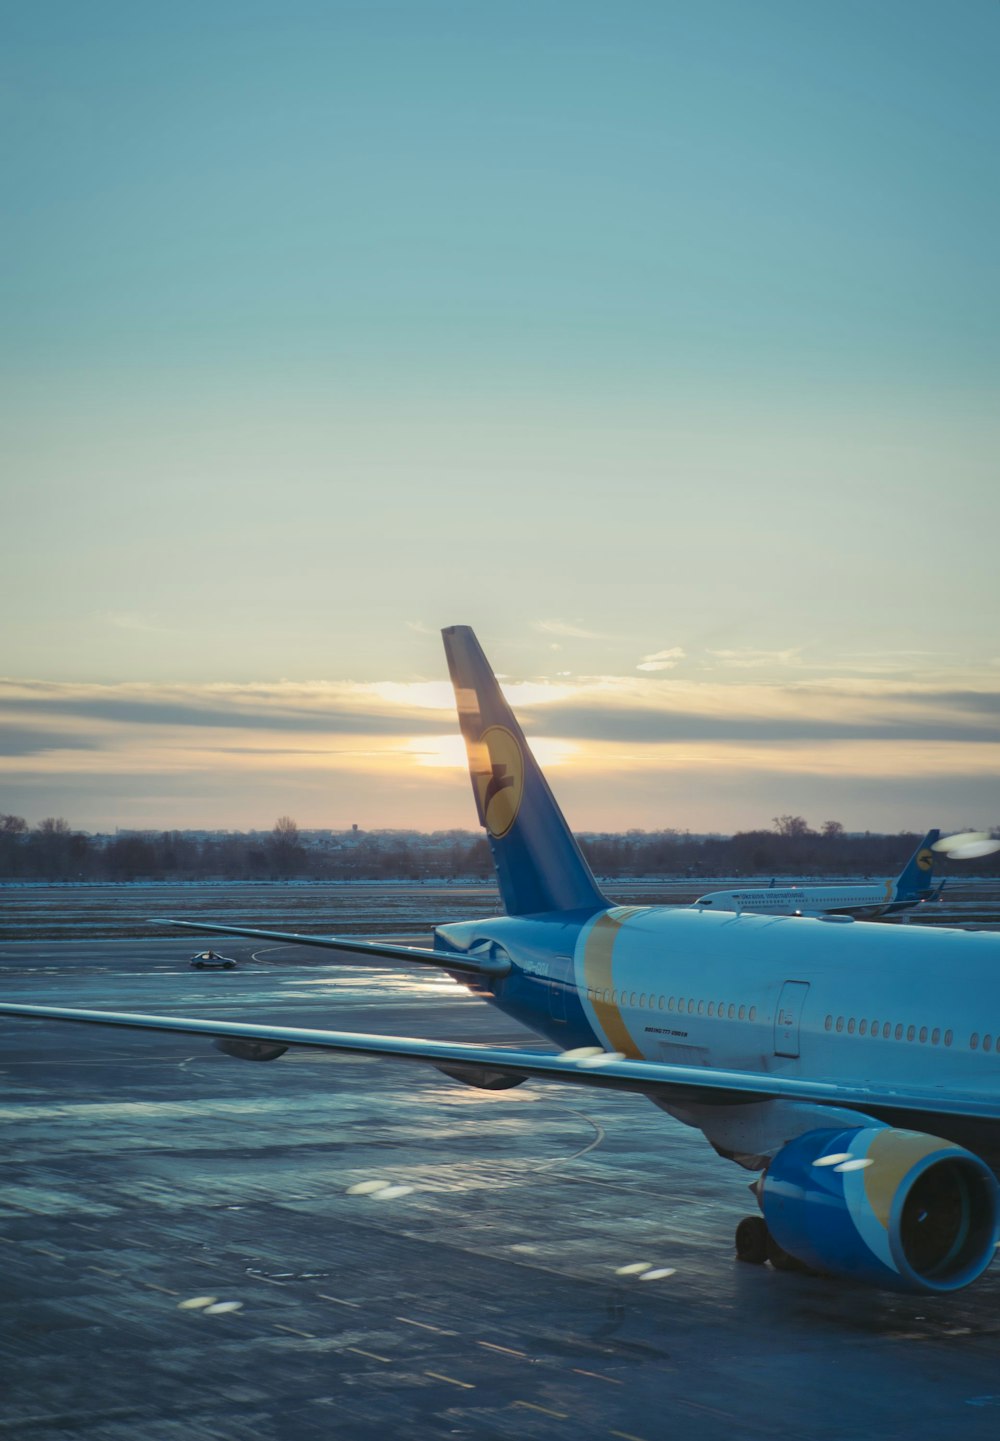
x=894, y=1208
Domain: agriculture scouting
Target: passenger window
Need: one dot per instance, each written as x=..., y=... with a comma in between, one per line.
x=948, y=1038
x=974, y=1041
x=642, y=999
x=662, y=1000
x=886, y=1030
x=923, y=1034
x=987, y=1043
x=732, y=1010
x=935, y=1035
x=840, y=1024
x=711, y=1008
x=691, y=1008
x=753, y=1014
x=743, y=1011
x=911, y=1031
x=701, y=1008
x=670, y=1004
x=863, y=1028
x=899, y=1033
x=632, y=999
x=850, y=1027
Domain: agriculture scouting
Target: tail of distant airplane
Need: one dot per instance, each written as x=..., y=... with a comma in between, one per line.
x=539, y=865
x=917, y=875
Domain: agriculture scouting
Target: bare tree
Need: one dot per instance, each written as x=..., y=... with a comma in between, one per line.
x=285, y=848
x=791, y=825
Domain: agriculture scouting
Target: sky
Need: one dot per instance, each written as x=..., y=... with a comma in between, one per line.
x=658, y=341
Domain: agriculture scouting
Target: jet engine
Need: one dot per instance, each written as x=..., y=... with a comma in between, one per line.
x=250, y=1050
x=894, y=1208
x=482, y=1077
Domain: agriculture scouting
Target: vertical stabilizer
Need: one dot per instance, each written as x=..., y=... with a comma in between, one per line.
x=916, y=876
x=539, y=865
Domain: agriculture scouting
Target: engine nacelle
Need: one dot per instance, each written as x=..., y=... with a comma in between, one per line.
x=894, y=1208
x=482, y=1077
x=250, y=1050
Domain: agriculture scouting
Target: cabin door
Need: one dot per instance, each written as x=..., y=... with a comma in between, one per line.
x=787, y=1017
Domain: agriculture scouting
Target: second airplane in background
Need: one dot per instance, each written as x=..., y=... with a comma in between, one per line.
x=865, y=900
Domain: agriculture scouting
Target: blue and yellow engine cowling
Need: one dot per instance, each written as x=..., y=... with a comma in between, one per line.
x=893, y=1208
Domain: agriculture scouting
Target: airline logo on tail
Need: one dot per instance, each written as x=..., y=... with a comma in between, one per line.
x=925, y=859
x=499, y=779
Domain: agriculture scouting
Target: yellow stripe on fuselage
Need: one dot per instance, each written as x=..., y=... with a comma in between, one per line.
x=598, y=978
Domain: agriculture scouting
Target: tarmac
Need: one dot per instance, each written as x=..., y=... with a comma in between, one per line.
x=185, y=1250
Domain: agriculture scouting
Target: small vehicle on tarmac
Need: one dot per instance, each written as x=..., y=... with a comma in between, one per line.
x=212, y=961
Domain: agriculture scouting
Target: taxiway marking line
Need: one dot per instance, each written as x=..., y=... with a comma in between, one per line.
x=559, y=1415
x=708, y=1410
x=151, y=1286
x=611, y=1380
x=355, y=1305
x=507, y=1351
x=625, y=1435
x=437, y=1375
x=103, y=1271
x=44, y=1251
x=425, y=1326
x=292, y=1331
x=358, y=1352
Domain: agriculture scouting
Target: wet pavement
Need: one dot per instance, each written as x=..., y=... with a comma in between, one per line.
x=469, y=1289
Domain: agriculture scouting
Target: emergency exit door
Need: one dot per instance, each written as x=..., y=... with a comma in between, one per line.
x=788, y=1016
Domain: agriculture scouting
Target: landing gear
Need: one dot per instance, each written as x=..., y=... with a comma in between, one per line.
x=752, y=1240
x=755, y=1245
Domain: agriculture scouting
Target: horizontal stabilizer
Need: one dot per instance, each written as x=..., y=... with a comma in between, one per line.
x=385, y=950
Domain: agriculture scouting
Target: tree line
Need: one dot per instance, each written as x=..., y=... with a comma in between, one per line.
x=53, y=851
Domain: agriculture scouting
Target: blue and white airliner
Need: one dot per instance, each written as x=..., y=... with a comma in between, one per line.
x=914, y=886
x=855, y=1069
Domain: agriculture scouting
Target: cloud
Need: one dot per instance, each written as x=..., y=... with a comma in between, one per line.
x=567, y=629
x=25, y=741
x=662, y=659
x=286, y=706
x=379, y=746
x=747, y=658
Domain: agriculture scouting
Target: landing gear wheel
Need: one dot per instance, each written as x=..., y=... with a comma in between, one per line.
x=752, y=1240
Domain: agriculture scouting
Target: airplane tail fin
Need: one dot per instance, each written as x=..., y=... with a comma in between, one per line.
x=539, y=865
x=917, y=875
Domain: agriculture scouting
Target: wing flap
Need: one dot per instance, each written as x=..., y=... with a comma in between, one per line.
x=654, y=1078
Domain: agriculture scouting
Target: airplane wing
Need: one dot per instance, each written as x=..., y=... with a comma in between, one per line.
x=585, y=1068
x=472, y=963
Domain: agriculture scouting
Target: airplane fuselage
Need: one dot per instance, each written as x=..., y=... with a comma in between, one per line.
x=863, y=901
x=785, y=995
